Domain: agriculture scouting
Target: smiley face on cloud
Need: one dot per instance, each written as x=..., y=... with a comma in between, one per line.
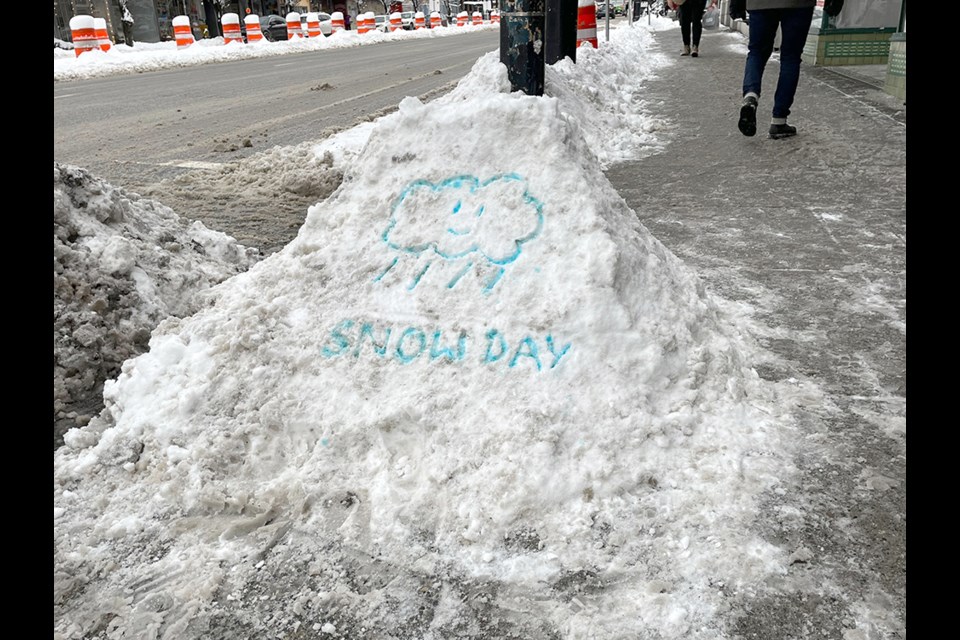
x=462, y=217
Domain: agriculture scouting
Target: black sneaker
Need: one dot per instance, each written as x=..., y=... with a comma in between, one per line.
x=748, y=117
x=782, y=131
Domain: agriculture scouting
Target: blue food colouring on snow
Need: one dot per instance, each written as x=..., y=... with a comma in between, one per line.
x=436, y=350
x=385, y=271
x=489, y=357
x=416, y=279
x=387, y=342
x=494, y=280
x=531, y=352
x=366, y=329
x=474, y=184
x=457, y=277
x=337, y=336
x=556, y=356
x=404, y=357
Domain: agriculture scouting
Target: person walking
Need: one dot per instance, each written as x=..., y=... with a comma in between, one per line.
x=690, y=14
x=792, y=18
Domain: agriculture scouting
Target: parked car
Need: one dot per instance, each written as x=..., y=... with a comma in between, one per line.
x=382, y=23
x=273, y=27
x=406, y=19
x=602, y=10
x=326, y=23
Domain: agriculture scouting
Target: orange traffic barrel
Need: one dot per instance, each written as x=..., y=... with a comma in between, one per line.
x=477, y=18
x=182, y=32
x=419, y=20
x=313, y=25
x=587, y=22
x=362, y=25
x=103, y=38
x=435, y=20
x=231, y=28
x=462, y=18
x=294, y=30
x=336, y=21
x=396, y=22
x=83, y=30
x=495, y=17
x=254, y=34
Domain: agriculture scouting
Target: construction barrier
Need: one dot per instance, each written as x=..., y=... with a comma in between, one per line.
x=336, y=21
x=477, y=18
x=254, y=34
x=294, y=29
x=435, y=20
x=587, y=22
x=182, y=32
x=495, y=17
x=462, y=19
x=103, y=38
x=396, y=22
x=364, y=22
x=231, y=28
x=313, y=25
x=83, y=30
x=419, y=20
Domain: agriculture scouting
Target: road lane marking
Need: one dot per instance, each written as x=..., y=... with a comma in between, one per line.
x=192, y=164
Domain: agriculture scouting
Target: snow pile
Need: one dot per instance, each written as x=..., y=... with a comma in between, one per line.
x=473, y=398
x=121, y=264
x=604, y=91
x=265, y=191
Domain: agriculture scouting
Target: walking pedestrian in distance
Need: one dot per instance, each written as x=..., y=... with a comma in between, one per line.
x=690, y=14
x=793, y=18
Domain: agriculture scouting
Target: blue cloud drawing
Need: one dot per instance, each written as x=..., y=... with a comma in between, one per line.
x=463, y=216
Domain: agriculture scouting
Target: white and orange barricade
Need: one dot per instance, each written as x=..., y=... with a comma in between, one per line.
x=294, y=28
x=362, y=24
x=83, y=31
x=435, y=20
x=313, y=25
x=231, y=28
x=396, y=22
x=462, y=19
x=103, y=38
x=182, y=32
x=254, y=34
x=494, y=17
x=336, y=22
x=477, y=18
x=587, y=22
x=419, y=20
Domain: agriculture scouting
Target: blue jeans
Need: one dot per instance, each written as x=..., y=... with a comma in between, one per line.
x=794, y=25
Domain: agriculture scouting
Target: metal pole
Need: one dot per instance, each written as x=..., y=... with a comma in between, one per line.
x=561, y=30
x=607, y=13
x=522, y=44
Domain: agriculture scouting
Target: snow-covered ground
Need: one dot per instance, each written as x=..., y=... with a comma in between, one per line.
x=474, y=397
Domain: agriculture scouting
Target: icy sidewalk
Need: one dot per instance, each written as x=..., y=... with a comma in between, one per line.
x=806, y=239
